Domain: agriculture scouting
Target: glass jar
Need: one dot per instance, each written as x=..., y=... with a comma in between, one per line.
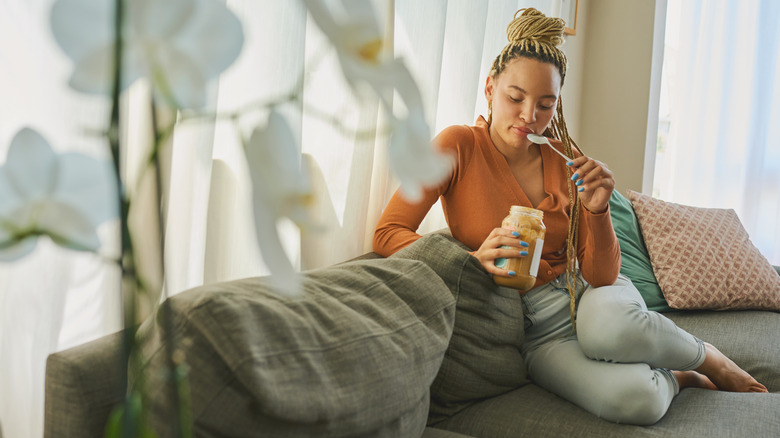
x=528, y=223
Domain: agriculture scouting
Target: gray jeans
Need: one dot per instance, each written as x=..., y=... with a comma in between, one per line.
x=617, y=366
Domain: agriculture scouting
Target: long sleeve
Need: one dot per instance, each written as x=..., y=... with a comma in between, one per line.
x=399, y=222
x=397, y=228
x=598, y=248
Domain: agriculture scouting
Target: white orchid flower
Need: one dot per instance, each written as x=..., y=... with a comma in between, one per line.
x=63, y=196
x=280, y=189
x=358, y=41
x=357, y=37
x=178, y=44
x=412, y=158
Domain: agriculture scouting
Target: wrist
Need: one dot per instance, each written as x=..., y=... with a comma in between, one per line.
x=596, y=210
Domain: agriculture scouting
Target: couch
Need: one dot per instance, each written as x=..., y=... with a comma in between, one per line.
x=408, y=346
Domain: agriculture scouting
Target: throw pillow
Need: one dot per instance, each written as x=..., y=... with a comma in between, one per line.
x=355, y=356
x=635, y=260
x=483, y=358
x=703, y=257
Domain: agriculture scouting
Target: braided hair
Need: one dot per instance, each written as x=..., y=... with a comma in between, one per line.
x=532, y=34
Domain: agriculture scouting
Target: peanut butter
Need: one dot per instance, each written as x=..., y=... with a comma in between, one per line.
x=528, y=223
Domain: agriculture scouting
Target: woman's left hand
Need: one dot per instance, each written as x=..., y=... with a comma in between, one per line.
x=595, y=183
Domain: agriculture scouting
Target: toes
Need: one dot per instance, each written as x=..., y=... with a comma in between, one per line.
x=755, y=386
x=760, y=388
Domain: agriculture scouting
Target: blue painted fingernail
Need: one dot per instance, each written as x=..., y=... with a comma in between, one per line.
x=579, y=183
x=515, y=233
x=512, y=273
x=570, y=163
x=581, y=189
x=525, y=244
x=523, y=253
x=575, y=176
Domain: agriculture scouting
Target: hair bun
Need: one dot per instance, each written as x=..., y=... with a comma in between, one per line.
x=533, y=25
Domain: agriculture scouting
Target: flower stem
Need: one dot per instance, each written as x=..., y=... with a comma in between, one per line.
x=129, y=283
x=123, y=207
x=176, y=373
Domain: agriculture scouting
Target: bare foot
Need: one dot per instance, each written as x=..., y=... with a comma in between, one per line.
x=727, y=375
x=692, y=379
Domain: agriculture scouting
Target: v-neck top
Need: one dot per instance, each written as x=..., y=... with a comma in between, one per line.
x=478, y=195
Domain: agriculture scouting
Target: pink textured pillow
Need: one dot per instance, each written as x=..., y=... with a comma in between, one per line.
x=703, y=257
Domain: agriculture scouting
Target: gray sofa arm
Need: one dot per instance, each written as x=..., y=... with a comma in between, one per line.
x=83, y=385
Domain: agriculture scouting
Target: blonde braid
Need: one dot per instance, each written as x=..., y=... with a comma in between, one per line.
x=558, y=130
x=536, y=36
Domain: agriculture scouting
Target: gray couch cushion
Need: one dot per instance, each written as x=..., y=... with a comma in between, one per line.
x=354, y=357
x=532, y=411
x=432, y=432
x=750, y=338
x=483, y=359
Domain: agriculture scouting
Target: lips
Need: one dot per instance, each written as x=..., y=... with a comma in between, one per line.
x=522, y=130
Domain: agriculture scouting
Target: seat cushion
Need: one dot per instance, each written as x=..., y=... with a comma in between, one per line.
x=751, y=338
x=483, y=359
x=354, y=357
x=534, y=412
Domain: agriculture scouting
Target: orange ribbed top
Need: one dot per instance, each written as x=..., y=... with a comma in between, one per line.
x=478, y=195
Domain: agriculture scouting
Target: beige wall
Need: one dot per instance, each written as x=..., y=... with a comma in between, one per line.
x=611, y=86
x=574, y=46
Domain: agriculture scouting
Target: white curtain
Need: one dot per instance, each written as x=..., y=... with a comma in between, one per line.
x=721, y=110
x=56, y=298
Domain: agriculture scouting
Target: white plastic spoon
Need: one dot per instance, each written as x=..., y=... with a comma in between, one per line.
x=540, y=139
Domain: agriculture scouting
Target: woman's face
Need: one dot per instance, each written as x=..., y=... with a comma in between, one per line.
x=524, y=98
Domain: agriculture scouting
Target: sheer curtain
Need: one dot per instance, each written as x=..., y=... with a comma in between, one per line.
x=448, y=45
x=722, y=76
x=56, y=298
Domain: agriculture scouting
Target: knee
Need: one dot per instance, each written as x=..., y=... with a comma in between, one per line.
x=640, y=403
x=614, y=333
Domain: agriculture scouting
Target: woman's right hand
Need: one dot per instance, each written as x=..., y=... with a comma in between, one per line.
x=493, y=248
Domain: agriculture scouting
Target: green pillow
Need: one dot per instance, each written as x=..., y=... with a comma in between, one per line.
x=633, y=252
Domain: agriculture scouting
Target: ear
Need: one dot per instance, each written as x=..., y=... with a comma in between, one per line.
x=489, y=88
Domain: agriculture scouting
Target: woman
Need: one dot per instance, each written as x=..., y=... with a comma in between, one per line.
x=623, y=362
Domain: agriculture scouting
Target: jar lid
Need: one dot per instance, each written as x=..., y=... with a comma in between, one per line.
x=519, y=209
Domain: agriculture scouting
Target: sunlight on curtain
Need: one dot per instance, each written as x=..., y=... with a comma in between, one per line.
x=341, y=159
x=54, y=298
x=719, y=140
